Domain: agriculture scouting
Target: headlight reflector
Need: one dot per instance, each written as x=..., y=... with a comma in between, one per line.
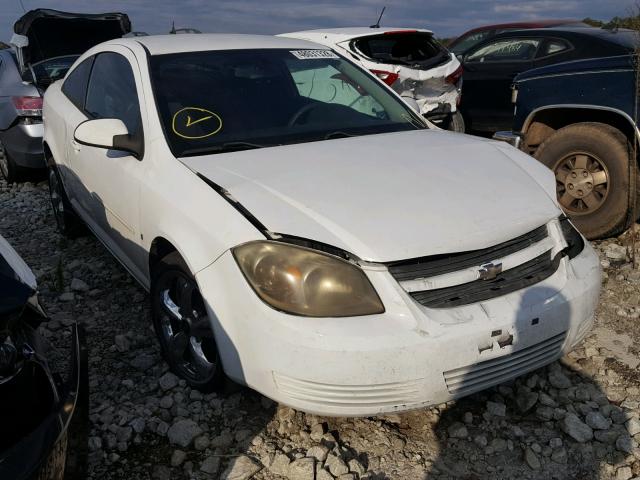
x=574, y=240
x=306, y=282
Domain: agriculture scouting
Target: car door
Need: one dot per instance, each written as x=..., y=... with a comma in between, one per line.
x=110, y=179
x=75, y=90
x=489, y=71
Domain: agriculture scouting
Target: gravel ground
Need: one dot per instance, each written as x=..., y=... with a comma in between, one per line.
x=576, y=419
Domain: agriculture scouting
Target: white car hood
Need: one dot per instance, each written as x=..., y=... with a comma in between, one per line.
x=392, y=196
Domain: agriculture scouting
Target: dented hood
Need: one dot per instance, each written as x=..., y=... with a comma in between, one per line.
x=392, y=196
x=51, y=33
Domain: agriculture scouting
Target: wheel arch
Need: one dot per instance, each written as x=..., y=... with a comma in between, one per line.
x=160, y=248
x=48, y=154
x=544, y=121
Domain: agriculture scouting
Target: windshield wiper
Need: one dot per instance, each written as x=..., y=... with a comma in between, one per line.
x=223, y=148
x=338, y=134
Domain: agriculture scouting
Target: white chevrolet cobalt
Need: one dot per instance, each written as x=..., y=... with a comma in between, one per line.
x=303, y=231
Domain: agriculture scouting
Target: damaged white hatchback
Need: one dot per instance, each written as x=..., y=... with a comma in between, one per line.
x=412, y=62
x=331, y=252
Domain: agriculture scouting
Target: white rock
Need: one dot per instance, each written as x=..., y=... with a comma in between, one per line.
x=532, y=459
x=302, y=469
x=241, y=468
x=183, y=432
x=597, y=421
x=633, y=426
x=575, y=428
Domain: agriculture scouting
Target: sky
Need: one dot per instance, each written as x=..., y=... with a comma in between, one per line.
x=447, y=18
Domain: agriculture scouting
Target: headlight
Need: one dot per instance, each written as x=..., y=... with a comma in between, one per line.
x=574, y=240
x=306, y=282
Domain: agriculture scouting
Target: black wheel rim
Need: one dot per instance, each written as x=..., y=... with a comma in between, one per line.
x=184, y=328
x=57, y=203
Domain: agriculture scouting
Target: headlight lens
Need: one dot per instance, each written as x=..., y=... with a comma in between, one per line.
x=572, y=236
x=306, y=282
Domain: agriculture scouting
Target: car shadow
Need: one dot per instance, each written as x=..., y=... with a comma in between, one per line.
x=231, y=417
x=534, y=426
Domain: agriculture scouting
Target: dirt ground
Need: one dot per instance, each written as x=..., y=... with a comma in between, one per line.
x=576, y=419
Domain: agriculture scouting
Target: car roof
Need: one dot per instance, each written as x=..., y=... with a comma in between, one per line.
x=518, y=25
x=192, y=42
x=336, y=35
x=624, y=37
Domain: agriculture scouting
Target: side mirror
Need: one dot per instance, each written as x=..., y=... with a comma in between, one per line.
x=110, y=134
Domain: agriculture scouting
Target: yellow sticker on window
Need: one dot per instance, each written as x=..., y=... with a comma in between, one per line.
x=193, y=123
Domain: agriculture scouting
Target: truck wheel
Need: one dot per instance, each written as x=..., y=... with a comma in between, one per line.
x=594, y=175
x=456, y=123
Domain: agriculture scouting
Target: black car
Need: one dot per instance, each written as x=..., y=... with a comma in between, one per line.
x=43, y=390
x=491, y=66
x=578, y=119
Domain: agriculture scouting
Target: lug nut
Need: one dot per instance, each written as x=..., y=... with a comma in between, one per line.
x=585, y=174
x=574, y=174
x=570, y=186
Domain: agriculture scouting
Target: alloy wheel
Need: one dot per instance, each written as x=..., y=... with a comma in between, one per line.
x=185, y=328
x=57, y=202
x=582, y=183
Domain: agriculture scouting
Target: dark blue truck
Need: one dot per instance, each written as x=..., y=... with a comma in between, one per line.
x=580, y=119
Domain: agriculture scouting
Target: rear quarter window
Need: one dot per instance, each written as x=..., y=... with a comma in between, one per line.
x=75, y=85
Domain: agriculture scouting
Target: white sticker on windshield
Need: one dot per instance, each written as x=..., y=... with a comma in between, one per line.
x=313, y=54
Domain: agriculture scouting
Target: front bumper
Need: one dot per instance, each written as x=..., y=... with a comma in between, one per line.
x=23, y=143
x=410, y=356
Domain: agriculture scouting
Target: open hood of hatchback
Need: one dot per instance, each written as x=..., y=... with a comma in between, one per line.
x=392, y=196
x=51, y=33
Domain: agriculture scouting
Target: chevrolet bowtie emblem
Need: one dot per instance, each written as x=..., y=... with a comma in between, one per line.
x=489, y=271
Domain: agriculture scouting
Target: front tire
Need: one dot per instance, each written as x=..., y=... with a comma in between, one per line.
x=182, y=325
x=594, y=176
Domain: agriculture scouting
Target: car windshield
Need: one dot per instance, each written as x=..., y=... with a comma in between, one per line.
x=468, y=41
x=217, y=101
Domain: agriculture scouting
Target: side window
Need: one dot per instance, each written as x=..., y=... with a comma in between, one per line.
x=551, y=47
x=327, y=84
x=75, y=85
x=112, y=91
x=506, y=50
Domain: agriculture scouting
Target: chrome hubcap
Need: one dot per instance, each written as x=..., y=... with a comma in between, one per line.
x=186, y=330
x=582, y=183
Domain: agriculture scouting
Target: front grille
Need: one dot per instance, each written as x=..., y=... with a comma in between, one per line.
x=522, y=276
x=479, y=376
x=440, y=264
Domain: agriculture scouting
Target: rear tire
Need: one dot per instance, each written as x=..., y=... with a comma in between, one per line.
x=456, y=123
x=69, y=224
x=181, y=323
x=11, y=172
x=594, y=176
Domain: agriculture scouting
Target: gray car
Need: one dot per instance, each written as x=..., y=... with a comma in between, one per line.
x=45, y=45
